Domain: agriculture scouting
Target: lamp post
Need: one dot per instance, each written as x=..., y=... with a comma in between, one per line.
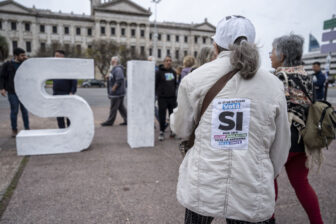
x=155, y=50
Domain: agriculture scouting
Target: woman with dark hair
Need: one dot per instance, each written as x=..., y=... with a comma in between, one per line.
x=286, y=58
x=241, y=139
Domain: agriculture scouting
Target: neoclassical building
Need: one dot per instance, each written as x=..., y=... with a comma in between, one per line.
x=121, y=20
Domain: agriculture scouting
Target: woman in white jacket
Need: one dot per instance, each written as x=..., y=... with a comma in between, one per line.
x=243, y=138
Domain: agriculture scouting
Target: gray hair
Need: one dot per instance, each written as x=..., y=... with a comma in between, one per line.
x=206, y=55
x=291, y=48
x=245, y=57
x=116, y=58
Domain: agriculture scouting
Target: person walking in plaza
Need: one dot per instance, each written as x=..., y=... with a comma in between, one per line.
x=286, y=58
x=319, y=80
x=63, y=87
x=165, y=88
x=116, y=92
x=238, y=114
x=188, y=63
x=7, y=87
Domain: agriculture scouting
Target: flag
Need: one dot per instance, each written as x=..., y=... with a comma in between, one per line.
x=313, y=44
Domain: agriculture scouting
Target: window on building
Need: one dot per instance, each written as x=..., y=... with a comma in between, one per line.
x=102, y=30
x=142, y=50
x=133, y=32
x=90, y=46
x=142, y=33
x=204, y=40
x=151, y=36
x=159, y=53
x=89, y=31
x=185, y=39
x=79, y=49
x=177, y=54
x=159, y=36
x=13, y=25
x=177, y=38
x=132, y=49
x=66, y=30
x=27, y=27
x=0, y=25
x=123, y=32
x=195, y=54
x=54, y=29
x=78, y=31
x=28, y=46
x=196, y=39
x=15, y=44
x=112, y=31
x=43, y=46
x=150, y=52
x=168, y=37
x=67, y=47
x=185, y=53
x=168, y=52
x=42, y=28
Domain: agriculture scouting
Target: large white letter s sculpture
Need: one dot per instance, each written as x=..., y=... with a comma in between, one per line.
x=29, y=87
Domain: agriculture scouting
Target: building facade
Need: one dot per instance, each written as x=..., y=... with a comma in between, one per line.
x=311, y=57
x=123, y=21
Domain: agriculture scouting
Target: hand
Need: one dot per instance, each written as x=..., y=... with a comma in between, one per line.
x=3, y=92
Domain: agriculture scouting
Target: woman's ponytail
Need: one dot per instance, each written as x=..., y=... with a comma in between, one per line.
x=245, y=57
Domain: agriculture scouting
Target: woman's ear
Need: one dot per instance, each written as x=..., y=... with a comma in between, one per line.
x=282, y=58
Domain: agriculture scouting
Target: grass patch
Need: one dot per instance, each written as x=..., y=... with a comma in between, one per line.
x=11, y=188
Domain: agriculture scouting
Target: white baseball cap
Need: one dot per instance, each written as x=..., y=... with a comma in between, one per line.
x=232, y=27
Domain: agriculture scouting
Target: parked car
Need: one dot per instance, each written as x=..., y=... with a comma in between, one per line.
x=93, y=83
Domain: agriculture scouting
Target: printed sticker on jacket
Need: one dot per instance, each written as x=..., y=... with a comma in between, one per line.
x=230, y=123
x=169, y=76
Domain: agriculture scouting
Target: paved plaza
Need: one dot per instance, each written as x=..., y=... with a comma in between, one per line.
x=111, y=183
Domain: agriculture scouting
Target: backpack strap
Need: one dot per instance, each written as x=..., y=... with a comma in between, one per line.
x=211, y=94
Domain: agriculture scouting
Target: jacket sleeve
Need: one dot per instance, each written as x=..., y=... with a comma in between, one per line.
x=282, y=142
x=73, y=86
x=320, y=80
x=119, y=76
x=3, y=76
x=182, y=120
x=156, y=81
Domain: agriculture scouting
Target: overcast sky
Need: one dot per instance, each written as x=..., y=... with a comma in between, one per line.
x=271, y=18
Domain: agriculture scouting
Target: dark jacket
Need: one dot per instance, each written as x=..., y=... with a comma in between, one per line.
x=64, y=86
x=117, y=77
x=165, y=83
x=7, y=76
x=319, y=85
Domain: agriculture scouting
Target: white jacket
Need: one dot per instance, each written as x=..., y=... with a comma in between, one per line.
x=242, y=143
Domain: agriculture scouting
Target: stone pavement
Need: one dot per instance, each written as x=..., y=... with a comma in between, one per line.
x=111, y=183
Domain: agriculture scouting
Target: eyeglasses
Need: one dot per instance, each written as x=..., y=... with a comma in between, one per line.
x=234, y=16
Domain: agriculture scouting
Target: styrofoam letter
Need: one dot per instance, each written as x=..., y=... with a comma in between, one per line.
x=140, y=103
x=29, y=87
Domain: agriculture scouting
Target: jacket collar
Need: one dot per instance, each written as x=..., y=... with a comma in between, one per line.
x=224, y=54
x=295, y=69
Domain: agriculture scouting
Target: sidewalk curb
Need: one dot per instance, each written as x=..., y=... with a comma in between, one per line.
x=5, y=199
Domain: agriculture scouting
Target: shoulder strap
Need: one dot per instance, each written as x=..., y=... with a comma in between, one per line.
x=211, y=94
x=215, y=89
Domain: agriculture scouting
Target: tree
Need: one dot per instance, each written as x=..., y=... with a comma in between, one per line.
x=71, y=51
x=3, y=48
x=102, y=51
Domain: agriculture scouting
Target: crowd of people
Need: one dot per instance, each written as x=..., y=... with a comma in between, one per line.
x=248, y=131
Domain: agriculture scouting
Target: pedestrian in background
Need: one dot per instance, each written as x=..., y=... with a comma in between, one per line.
x=116, y=90
x=242, y=139
x=188, y=63
x=319, y=80
x=165, y=88
x=286, y=58
x=63, y=87
x=7, y=86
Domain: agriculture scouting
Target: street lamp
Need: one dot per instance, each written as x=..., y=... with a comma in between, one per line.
x=155, y=30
